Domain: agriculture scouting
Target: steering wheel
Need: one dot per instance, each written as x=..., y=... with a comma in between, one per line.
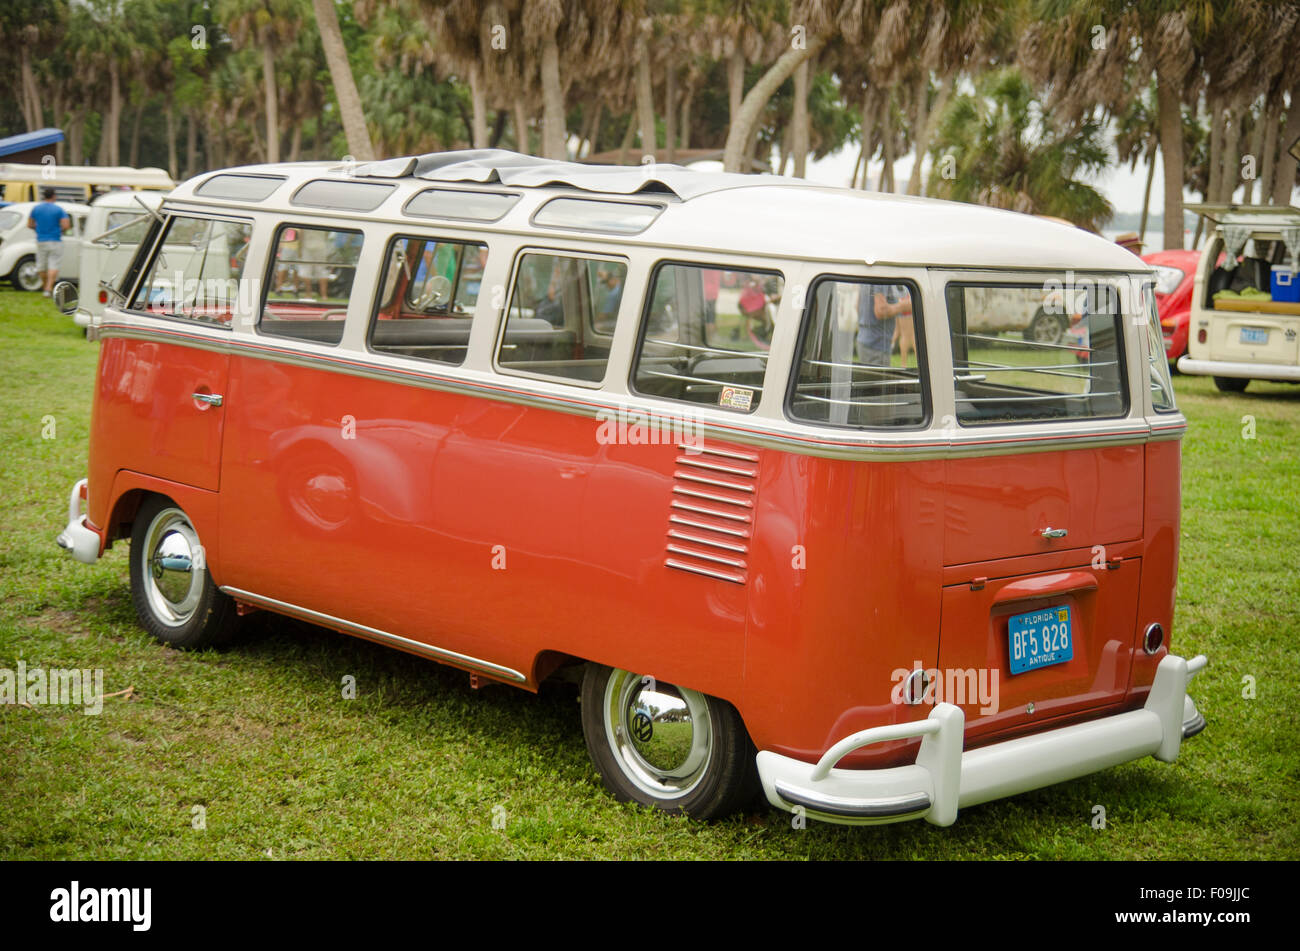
x=437, y=291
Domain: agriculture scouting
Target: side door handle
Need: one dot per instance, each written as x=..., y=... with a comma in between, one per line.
x=212, y=399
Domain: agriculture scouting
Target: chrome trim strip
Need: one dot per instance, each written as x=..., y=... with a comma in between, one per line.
x=743, y=503
x=735, y=517
x=744, y=456
x=696, y=569
x=692, y=477
x=396, y=640
x=875, y=809
x=733, y=562
x=724, y=529
x=715, y=467
x=695, y=539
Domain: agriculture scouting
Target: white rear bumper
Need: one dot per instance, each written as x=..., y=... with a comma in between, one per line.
x=1248, y=371
x=944, y=778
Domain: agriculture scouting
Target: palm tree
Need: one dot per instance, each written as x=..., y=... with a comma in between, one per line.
x=345, y=87
x=266, y=25
x=1010, y=154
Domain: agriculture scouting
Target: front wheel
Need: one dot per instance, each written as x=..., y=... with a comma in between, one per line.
x=25, y=277
x=1231, y=384
x=1045, y=328
x=666, y=746
x=175, y=597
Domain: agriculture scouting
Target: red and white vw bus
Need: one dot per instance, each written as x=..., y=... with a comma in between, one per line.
x=649, y=426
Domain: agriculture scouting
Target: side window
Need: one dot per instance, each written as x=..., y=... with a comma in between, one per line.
x=848, y=372
x=310, y=282
x=706, y=334
x=1050, y=351
x=198, y=271
x=562, y=312
x=427, y=298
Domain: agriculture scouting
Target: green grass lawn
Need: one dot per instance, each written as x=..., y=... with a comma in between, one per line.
x=419, y=765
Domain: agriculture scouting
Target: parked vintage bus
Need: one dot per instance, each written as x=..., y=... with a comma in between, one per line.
x=646, y=427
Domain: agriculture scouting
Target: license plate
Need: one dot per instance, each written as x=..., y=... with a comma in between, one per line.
x=1251, y=335
x=1040, y=639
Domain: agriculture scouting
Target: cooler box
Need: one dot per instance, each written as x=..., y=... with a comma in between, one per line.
x=1285, y=285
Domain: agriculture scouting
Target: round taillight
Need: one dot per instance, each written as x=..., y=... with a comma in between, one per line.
x=1202, y=336
x=1153, y=639
x=103, y=297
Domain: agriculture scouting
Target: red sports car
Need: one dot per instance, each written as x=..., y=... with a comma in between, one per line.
x=1175, y=273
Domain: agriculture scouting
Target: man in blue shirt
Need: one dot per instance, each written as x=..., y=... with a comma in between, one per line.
x=49, y=221
x=879, y=306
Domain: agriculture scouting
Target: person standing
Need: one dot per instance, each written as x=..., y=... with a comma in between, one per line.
x=879, y=306
x=49, y=221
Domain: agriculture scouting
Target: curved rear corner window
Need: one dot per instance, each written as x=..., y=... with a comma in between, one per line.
x=310, y=283
x=460, y=205
x=1162, y=387
x=1046, y=351
x=849, y=373
x=590, y=214
x=240, y=187
x=707, y=335
x=341, y=196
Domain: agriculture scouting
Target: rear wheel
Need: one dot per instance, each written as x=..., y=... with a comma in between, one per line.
x=175, y=597
x=666, y=746
x=1231, y=384
x=25, y=277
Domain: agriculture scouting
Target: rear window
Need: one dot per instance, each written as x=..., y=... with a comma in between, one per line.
x=1045, y=351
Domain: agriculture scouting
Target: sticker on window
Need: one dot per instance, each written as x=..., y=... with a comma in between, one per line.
x=736, y=397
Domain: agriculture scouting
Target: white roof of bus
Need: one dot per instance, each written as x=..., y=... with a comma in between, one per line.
x=85, y=175
x=756, y=214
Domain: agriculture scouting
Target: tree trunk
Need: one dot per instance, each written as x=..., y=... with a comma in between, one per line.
x=1146, y=195
x=920, y=118
x=33, y=113
x=498, y=129
x=745, y=122
x=1170, y=120
x=645, y=103
x=272, y=103
x=191, y=145
x=886, y=182
x=170, y=113
x=135, y=135
x=924, y=133
x=478, y=134
x=594, y=138
x=295, y=142
x=345, y=87
x=687, y=99
x=670, y=114
x=553, y=131
x=785, y=149
x=1284, y=182
x=868, y=130
x=1268, y=156
x=1214, y=172
x=76, y=136
x=1230, y=177
x=521, y=128
x=1256, y=151
x=628, y=135
x=799, y=131
x=113, y=130
x=735, y=83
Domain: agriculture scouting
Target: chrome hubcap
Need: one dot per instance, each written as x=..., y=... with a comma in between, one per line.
x=28, y=276
x=662, y=735
x=173, y=583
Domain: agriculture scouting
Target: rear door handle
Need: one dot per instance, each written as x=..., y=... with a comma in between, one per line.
x=212, y=399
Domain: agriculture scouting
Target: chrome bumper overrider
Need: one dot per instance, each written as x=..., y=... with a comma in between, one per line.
x=944, y=778
x=76, y=537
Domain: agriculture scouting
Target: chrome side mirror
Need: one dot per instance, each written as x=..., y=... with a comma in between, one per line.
x=65, y=297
